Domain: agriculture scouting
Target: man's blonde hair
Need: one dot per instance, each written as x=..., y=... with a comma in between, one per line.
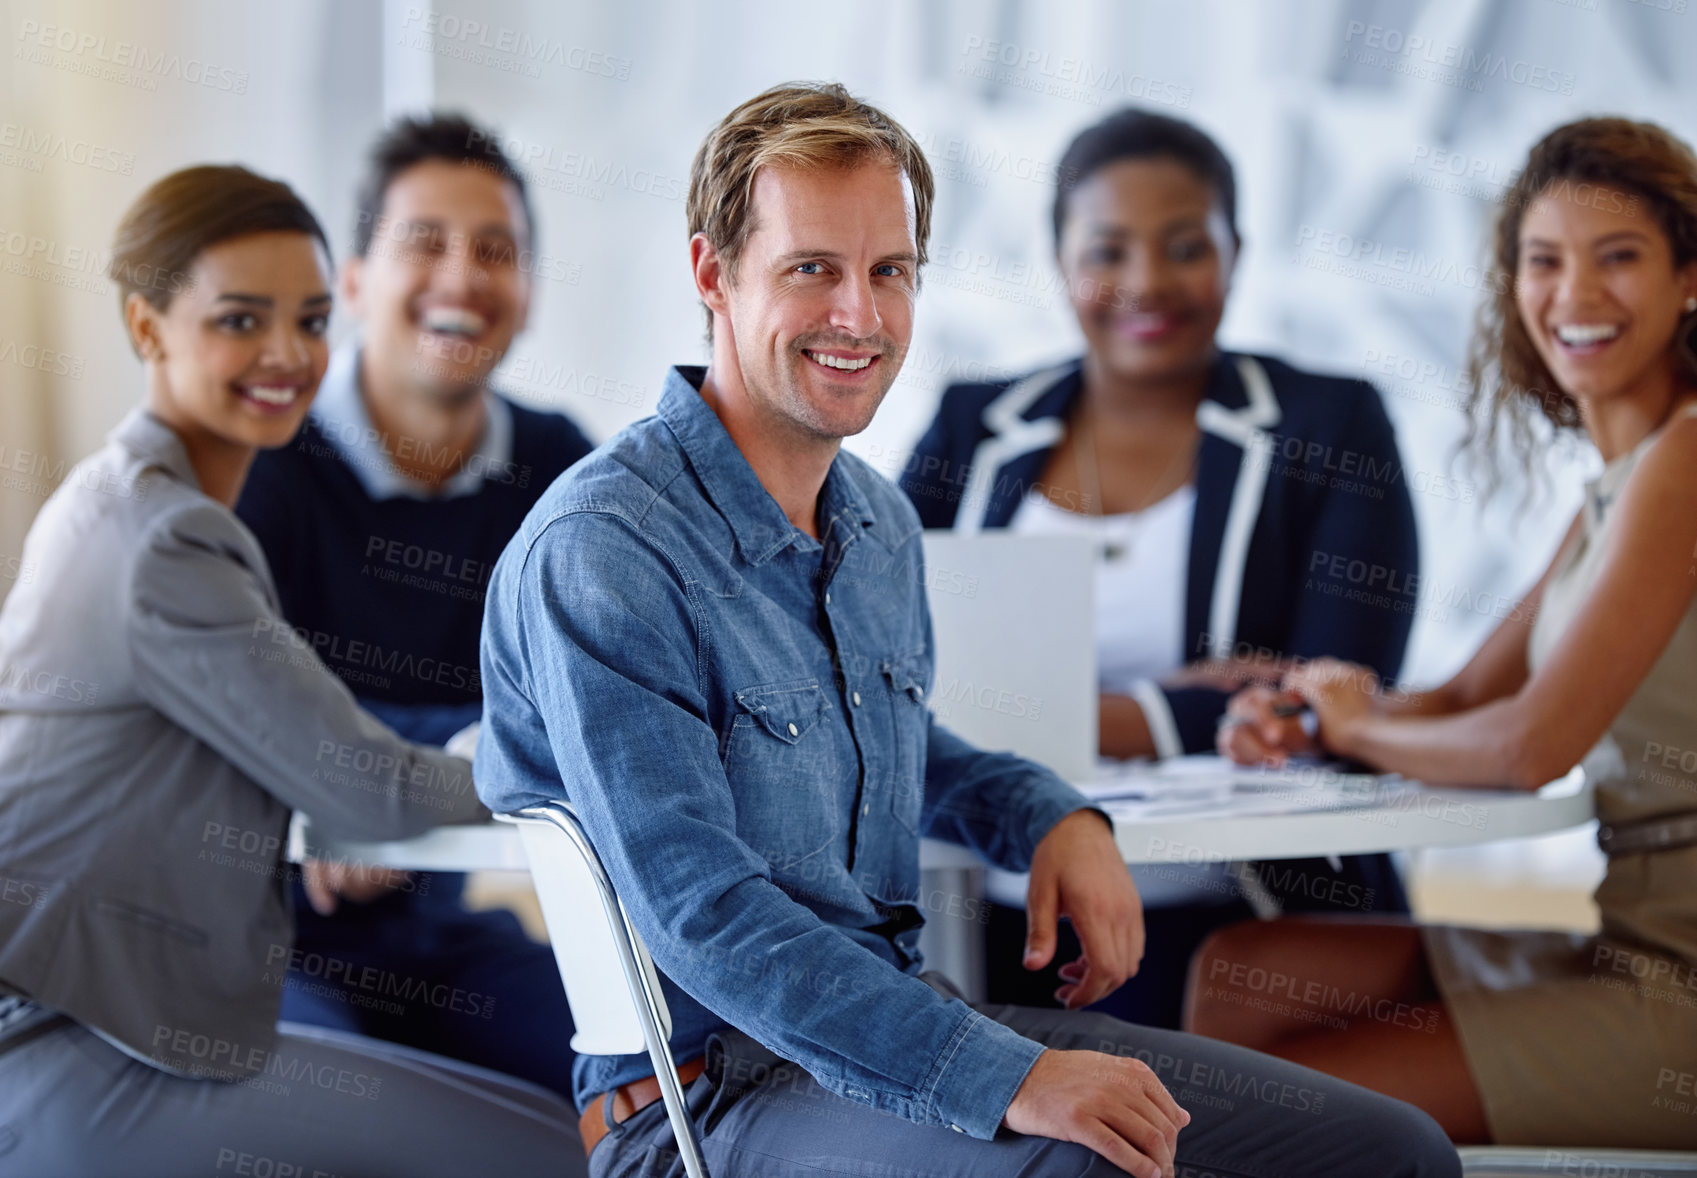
x=806, y=125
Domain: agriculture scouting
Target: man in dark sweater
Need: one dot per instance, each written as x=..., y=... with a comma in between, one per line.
x=382, y=522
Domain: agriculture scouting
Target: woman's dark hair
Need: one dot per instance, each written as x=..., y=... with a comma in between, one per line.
x=408, y=142
x=1133, y=134
x=1588, y=160
x=169, y=225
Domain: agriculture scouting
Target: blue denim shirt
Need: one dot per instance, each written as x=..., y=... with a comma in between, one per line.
x=737, y=710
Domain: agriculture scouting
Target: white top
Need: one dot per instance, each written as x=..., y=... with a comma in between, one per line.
x=1140, y=583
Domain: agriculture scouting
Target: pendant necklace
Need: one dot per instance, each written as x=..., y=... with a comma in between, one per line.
x=1090, y=482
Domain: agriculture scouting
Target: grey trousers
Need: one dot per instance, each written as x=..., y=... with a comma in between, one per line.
x=1251, y=1117
x=329, y=1105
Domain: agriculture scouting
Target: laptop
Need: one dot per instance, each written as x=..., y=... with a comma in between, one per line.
x=1014, y=619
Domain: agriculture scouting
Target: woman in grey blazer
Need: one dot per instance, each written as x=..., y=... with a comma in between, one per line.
x=159, y=721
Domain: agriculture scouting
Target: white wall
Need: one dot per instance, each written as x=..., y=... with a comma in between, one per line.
x=611, y=100
x=1326, y=147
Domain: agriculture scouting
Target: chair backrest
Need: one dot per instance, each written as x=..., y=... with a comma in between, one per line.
x=579, y=907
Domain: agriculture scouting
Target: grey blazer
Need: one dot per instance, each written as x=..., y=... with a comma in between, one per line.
x=158, y=722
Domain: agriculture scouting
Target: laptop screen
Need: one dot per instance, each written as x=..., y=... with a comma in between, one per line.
x=1014, y=621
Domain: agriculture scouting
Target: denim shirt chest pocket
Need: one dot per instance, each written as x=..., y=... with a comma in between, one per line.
x=904, y=677
x=782, y=765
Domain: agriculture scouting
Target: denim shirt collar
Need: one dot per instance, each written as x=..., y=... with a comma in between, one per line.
x=759, y=524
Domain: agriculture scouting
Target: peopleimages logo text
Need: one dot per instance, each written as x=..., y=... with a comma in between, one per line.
x=1463, y=59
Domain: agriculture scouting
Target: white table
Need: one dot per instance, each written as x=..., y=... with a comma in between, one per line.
x=1398, y=820
x=1431, y=818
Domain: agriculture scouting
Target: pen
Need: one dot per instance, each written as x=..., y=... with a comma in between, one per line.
x=1281, y=711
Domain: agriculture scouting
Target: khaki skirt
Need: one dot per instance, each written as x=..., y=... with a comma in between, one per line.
x=1578, y=1040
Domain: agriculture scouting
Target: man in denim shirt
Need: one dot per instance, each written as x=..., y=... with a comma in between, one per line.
x=711, y=636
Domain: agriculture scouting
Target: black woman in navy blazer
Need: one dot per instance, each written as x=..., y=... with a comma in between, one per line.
x=1302, y=534
x=1303, y=541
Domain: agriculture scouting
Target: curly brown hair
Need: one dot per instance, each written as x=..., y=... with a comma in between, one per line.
x=1511, y=385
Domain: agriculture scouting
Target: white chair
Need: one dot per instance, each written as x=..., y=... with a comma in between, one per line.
x=610, y=982
x=1521, y=1161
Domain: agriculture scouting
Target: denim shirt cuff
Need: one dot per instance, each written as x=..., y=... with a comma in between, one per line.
x=979, y=1074
x=1051, y=800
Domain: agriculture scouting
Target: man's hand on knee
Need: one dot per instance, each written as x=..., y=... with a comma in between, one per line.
x=1114, y=1106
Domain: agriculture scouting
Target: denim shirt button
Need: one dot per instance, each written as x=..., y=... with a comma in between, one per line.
x=856, y=698
x=794, y=731
x=957, y=1129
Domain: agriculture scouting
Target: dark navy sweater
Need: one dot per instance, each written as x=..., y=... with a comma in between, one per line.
x=390, y=592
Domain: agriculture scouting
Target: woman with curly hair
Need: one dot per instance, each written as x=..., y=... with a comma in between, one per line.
x=1539, y=1038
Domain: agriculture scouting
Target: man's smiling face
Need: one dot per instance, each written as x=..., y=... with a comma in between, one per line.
x=820, y=309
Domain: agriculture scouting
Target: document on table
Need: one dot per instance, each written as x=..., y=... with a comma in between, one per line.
x=1204, y=786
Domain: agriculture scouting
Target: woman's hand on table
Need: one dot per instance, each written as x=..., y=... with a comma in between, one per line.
x=1261, y=726
x=1343, y=695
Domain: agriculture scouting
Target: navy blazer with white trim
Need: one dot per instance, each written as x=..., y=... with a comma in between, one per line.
x=1303, y=538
